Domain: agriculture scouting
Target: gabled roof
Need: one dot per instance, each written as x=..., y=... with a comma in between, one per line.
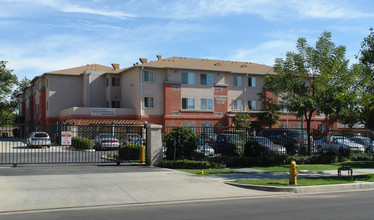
x=79, y=70
x=208, y=64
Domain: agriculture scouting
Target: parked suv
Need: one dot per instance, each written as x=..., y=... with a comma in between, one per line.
x=291, y=139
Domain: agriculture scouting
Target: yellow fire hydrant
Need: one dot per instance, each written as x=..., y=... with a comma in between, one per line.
x=293, y=173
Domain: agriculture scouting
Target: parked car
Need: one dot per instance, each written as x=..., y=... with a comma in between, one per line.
x=204, y=149
x=334, y=143
x=228, y=144
x=269, y=147
x=291, y=139
x=132, y=138
x=106, y=141
x=367, y=142
x=209, y=137
x=38, y=139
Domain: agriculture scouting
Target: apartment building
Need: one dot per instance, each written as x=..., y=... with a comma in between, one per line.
x=176, y=91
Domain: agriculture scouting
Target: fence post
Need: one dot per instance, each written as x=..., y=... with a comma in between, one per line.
x=154, y=144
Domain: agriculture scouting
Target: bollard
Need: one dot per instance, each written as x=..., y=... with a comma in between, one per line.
x=293, y=173
x=142, y=154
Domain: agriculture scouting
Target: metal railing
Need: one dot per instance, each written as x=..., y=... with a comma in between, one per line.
x=53, y=143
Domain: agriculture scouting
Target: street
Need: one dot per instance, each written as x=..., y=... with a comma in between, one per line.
x=344, y=205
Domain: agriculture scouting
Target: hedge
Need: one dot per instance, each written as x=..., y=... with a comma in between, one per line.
x=129, y=152
x=81, y=143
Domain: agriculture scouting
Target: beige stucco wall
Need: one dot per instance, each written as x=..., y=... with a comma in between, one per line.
x=130, y=89
x=94, y=84
x=63, y=92
x=154, y=89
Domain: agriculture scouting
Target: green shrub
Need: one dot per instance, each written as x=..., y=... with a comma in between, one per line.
x=81, y=143
x=184, y=140
x=188, y=164
x=129, y=152
x=345, y=152
x=252, y=148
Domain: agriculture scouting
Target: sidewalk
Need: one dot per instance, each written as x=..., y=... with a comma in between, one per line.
x=33, y=188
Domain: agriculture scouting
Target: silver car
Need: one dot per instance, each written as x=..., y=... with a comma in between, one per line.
x=38, y=139
x=106, y=141
x=333, y=143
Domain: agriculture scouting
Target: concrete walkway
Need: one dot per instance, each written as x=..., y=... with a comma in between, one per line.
x=35, y=188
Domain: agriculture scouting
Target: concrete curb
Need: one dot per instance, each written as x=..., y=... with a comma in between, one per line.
x=309, y=189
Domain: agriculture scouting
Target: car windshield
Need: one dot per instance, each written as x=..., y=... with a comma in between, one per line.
x=343, y=140
x=106, y=136
x=233, y=138
x=263, y=140
x=40, y=135
x=297, y=134
x=366, y=141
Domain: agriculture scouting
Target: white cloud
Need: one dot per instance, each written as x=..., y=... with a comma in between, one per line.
x=78, y=9
x=264, y=53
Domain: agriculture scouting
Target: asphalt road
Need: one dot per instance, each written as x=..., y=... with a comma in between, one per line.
x=345, y=205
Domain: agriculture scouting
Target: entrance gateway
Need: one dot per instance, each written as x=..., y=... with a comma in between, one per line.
x=66, y=143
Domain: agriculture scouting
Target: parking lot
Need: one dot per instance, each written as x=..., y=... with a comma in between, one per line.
x=16, y=151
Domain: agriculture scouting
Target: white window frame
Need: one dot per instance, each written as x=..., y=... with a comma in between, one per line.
x=188, y=78
x=252, y=82
x=208, y=79
x=206, y=104
x=252, y=105
x=146, y=103
x=148, y=76
x=237, y=81
x=116, y=81
x=190, y=104
x=237, y=103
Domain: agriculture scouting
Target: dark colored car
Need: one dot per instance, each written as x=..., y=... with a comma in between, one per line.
x=291, y=139
x=227, y=144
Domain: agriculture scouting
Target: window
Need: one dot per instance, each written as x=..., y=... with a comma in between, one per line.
x=237, y=104
x=282, y=106
x=115, y=104
x=188, y=78
x=189, y=125
x=148, y=76
x=206, y=104
x=206, y=79
x=251, y=82
x=107, y=104
x=284, y=126
x=297, y=126
x=252, y=105
x=237, y=81
x=148, y=102
x=115, y=81
x=188, y=103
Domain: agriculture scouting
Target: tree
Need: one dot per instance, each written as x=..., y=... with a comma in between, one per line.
x=181, y=143
x=7, y=83
x=312, y=80
x=242, y=120
x=366, y=58
x=270, y=116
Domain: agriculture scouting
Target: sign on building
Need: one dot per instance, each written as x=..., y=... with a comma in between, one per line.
x=103, y=112
x=66, y=137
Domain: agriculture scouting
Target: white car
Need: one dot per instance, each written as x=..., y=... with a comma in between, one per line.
x=333, y=143
x=38, y=139
x=204, y=149
x=106, y=141
x=132, y=138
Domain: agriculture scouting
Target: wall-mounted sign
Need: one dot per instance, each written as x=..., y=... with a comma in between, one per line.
x=103, y=112
x=66, y=137
x=220, y=99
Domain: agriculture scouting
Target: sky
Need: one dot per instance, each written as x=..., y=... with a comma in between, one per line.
x=38, y=36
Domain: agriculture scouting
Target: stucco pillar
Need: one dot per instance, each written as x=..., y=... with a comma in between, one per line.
x=154, y=144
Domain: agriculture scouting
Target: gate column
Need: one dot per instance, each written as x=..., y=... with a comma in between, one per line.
x=154, y=144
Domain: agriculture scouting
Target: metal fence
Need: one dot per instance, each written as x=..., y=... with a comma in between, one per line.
x=230, y=141
x=54, y=143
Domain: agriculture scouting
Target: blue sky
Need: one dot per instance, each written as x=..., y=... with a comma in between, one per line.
x=47, y=35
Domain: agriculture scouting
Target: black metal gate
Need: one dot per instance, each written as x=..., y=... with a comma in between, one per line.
x=46, y=144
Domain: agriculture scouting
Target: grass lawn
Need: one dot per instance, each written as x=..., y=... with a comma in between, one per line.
x=306, y=181
x=318, y=167
x=210, y=171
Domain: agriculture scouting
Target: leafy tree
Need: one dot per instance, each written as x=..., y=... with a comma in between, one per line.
x=366, y=58
x=184, y=140
x=7, y=103
x=242, y=119
x=312, y=80
x=270, y=116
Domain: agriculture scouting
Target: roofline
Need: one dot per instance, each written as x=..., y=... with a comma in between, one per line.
x=180, y=68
